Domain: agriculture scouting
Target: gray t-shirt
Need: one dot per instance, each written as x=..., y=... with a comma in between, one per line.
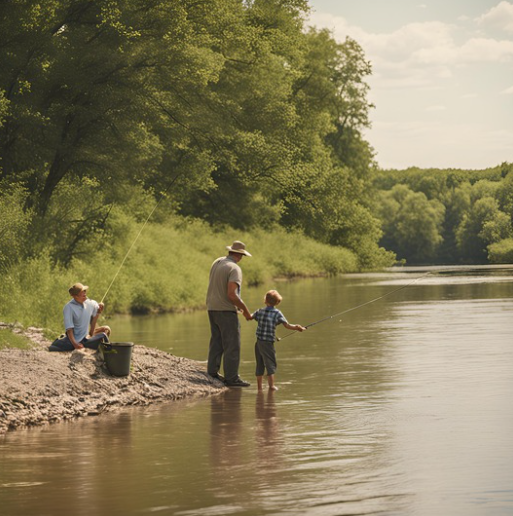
x=223, y=271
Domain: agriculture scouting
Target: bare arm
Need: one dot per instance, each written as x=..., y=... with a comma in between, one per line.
x=233, y=296
x=92, y=326
x=71, y=337
x=294, y=327
x=94, y=319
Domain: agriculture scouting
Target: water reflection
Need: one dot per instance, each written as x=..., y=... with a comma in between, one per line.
x=269, y=443
x=226, y=444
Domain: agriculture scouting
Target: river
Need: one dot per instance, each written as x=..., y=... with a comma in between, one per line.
x=399, y=407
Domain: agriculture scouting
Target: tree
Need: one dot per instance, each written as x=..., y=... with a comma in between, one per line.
x=501, y=252
x=95, y=89
x=227, y=108
x=14, y=223
x=483, y=224
x=412, y=224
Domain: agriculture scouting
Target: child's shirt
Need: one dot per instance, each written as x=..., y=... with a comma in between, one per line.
x=268, y=318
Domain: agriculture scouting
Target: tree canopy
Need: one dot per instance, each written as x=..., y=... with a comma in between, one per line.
x=447, y=216
x=232, y=109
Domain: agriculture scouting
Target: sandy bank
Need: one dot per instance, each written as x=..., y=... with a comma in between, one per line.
x=38, y=387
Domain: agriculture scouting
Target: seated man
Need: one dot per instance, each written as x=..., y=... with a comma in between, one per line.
x=80, y=315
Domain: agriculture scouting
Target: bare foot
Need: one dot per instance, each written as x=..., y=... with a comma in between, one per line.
x=273, y=388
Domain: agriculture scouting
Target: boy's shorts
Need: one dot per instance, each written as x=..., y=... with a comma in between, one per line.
x=265, y=354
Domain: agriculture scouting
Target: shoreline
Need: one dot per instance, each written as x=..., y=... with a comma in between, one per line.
x=40, y=387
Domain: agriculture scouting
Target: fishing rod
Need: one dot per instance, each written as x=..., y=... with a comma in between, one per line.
x=137, y=238
x=359, y=306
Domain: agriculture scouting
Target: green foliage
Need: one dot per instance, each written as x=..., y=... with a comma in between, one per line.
x=479, y=227
x=232, y=115
x=9, y=339
x=233, y=109
x=4, y=107
x=505, y=193
x=412, y=224
x=33, y=292
x=470, y=210
x=166, y=270
x=14, y=223
x=501, y=251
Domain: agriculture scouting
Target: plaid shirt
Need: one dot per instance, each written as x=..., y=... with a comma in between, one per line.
x=268, y=318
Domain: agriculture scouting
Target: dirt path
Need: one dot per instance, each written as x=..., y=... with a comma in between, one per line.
x=38, y=387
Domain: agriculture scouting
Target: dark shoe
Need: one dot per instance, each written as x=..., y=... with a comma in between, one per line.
x=238, y=382
x=217, y=376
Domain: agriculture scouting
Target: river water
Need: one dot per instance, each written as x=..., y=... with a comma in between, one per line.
x=400, y=407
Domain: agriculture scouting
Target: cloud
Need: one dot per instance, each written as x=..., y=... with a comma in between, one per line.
x=418, y=54
x=500, y=17
x=424, y=77
x=486, y=50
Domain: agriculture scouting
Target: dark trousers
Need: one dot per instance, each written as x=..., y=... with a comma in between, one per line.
x=65, y=344
x=224, y=344
x=265, y=354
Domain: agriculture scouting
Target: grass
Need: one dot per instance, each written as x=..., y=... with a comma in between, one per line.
x=8, y=339
x=167, y=270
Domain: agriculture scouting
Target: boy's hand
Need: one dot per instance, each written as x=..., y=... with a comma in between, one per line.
x=300, y=328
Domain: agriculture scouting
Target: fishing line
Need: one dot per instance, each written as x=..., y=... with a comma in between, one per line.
x=357, y=307
x=136, y=238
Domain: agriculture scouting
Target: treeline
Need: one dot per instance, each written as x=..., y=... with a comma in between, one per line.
x=231, y=111
x=447, y=216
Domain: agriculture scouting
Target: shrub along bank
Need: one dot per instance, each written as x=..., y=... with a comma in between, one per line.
x=166, y=270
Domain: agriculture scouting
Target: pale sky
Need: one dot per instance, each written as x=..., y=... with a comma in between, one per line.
x=442, y=77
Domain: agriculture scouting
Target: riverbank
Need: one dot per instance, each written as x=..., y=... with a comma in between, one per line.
x=39, y=387
x=164, y=273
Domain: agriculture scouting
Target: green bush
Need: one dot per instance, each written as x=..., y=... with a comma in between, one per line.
x=14, y=223
x=501, y=252
x=166, y=270
x=33, y=292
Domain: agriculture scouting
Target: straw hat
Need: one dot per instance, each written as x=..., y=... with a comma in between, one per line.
x=238, y=247
x=77, y=288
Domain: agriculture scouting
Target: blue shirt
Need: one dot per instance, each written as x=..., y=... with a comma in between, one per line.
x=78, y=316
x=268, y=318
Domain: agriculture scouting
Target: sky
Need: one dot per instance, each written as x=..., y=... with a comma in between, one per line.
x=442, y=80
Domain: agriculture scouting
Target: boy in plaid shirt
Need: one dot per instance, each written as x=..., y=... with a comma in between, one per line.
x=265, y=353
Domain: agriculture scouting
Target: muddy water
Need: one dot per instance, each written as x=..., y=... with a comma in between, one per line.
x=402, y=407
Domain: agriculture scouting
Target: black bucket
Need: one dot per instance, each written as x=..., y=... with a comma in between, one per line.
x=118, y=357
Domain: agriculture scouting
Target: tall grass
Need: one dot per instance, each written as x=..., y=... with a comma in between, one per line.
x=166, y=270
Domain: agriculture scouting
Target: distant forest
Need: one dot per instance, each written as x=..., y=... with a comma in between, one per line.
x=447, y=216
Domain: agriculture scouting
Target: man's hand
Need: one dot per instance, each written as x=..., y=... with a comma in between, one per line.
x=101, y=306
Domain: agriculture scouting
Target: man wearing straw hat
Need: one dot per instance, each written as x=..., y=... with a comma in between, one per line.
x=223, y=304
x=80, y=316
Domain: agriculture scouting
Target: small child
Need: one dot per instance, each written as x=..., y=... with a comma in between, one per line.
x=265, y=353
